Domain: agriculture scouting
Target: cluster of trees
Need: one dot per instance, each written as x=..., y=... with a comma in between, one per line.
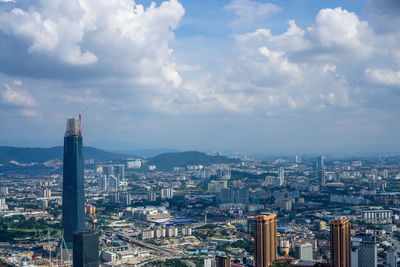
x=246, y=245
x=18, y=227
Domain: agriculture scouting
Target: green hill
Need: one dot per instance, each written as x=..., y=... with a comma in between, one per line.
x=40, y=155
x=168, y=161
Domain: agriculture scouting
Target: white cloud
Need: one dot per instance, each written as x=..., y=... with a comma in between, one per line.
x=340, y=29
x=112, y=37
x=248, y=10
x=17, y=97
x=386, y=77
x=170, y=74
x=17, y=82
x=29, y=113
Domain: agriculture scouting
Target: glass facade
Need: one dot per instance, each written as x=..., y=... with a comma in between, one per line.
x=86, y=249
x=73, y=216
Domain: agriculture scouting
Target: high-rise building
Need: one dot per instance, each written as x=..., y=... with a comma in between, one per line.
x=151, y=196
x=391, y=258
x=113, y=182
x=221, y=261
x=3, y=205
x=224, y=174
x=217, y=186
x=304, y=251
x=86, y=248
x=281, y=176
x=265, y=240
x=73, y=210
x=319, y=163
x=167, y=193
x=47, y=193
x=340, y=242
x=209, y=262
x=322, y=176
x=234, y=195
x=250, y=226
x=103, y=182
x=385, y=174
x=136, y=164
x=4, y=190
x=364, y=251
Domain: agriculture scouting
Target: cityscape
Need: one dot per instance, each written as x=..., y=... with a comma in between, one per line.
x=215, y=211
x=181, y=133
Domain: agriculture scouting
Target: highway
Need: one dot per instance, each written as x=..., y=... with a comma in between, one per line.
x=146, y=245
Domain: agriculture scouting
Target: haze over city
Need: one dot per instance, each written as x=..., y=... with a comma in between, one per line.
x=259, y=76
x=213, y=133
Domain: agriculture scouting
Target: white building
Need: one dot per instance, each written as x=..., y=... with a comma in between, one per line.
x=113, y=183
x=210, y=262
x=172, y=231
x=3, y=205
x=103, y=182
x=167, y=193
x=147, y=234
x=281, y=176
x=304, y=251
x=47, y=193
x=377, y=216
x=134, y=164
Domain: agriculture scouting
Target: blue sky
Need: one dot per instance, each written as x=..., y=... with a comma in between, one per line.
x=240, y=75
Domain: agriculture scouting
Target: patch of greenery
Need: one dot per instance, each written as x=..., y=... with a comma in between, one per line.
x=246, y=245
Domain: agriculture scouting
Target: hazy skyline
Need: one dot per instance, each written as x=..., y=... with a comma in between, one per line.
x=262, y=76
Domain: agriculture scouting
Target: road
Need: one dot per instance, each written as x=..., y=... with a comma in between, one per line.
x=146, y=245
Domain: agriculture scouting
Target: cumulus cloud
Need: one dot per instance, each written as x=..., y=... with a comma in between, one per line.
x=340, y=29
x=248, y=10
x=386, y=77
x=110, y=38
x=311, y=69
x=17, y=97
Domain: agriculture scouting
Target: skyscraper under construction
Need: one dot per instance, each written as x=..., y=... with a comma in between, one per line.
x=340, y=242
x=265, y=240
x=73, y=211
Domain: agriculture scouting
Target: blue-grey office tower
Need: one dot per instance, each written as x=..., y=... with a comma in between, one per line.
x=73, y=210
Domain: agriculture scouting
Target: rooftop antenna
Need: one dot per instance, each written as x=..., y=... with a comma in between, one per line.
x=80, y=121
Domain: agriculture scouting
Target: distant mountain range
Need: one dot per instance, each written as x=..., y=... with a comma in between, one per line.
x=40, y=155
x=145, y=153
x=168, y=161
x=165, y=161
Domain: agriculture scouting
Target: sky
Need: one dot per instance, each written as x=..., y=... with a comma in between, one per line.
x=226, y=75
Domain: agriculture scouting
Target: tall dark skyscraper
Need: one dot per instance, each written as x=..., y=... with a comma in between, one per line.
x=73, y=217
x=86, y=249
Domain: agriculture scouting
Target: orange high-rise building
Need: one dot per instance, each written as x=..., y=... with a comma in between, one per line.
x=265, y=240
x=340, y=242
